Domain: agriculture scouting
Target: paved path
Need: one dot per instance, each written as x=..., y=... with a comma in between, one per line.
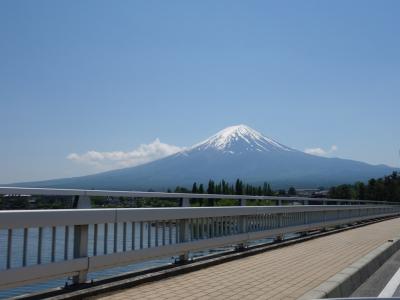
x=285, y=273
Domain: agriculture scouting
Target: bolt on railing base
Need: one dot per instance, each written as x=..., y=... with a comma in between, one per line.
x=183, y=259
x=241, y=247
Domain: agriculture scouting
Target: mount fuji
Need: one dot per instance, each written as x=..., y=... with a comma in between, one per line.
x=235, y=152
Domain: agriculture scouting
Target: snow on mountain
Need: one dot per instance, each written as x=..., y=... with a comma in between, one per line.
x=239, y=139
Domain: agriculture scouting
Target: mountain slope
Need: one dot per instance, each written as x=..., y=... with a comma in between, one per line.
x=235, y=152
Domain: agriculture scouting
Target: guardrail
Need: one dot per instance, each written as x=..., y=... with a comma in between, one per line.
x=46, y=244
x=82, y=197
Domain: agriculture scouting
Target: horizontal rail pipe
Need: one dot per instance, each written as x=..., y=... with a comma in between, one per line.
x=11, y=219
x=138, y=194
x=47, y=244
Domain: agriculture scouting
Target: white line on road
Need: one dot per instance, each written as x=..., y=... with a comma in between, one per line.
x=391, y=286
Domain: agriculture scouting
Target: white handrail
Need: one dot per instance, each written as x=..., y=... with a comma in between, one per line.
x=139, y=194
x=11, y=219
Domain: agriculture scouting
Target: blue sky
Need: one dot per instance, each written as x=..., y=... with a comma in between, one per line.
x=110, y=76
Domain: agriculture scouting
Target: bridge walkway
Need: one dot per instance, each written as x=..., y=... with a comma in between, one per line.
x=285, y=273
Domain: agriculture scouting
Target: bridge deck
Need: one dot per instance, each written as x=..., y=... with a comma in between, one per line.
x=285, y=273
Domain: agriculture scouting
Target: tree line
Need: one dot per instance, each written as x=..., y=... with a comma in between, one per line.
x=381, y=189
x=237, y=188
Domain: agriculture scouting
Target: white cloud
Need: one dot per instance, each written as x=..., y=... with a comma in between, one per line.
x=321, y=152
x=120, y=159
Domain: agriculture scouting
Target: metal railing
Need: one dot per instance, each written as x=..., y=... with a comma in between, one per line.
x=82, y=197
x=44, y=244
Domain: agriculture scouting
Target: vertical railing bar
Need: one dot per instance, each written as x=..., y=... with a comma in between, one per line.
x=141, y=234
x=209, y=223
x=115, y=237
x=261, y=221
x=177, y=231
x=105, y=238
x=208, y=227
x=264, y=221
x=212, y=227
x=95, y=237
x=163, y=233
x=156, y=236
x=190, y=228
x=149, y=234
x=40, y=238
x=124, y=237
x=66, y=242
x=25, y=247
x=133, y=235
x=169, y=232
x=9, y=247
x=201, y=224
x=205, y=225
x=53, y=243
x=195, y=229
x=225, y=225
x=198, y=228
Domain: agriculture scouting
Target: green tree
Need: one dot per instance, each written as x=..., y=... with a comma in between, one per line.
x=201, y=189
x=238, y=187
x=194, y=188
x=211, y=187
x=292, y=191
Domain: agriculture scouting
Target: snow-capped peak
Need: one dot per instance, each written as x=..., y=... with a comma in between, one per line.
x=240, y=138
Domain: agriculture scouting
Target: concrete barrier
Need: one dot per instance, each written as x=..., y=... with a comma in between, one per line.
x=344, y=283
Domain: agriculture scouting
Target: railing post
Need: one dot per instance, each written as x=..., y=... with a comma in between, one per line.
x=185, y=202
x=80, y=250
x=305, y=202
x=279, y=237
x=305, y=219
x=324, y=220
x=243, y=202
x=82, y=201
x=242, y=229
x=184, y=236
x=280, y=202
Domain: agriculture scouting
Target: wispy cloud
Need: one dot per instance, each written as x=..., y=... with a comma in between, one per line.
x=120, y=159
x=321, y=152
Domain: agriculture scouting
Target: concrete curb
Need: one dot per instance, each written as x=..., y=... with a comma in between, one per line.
x=344, y=283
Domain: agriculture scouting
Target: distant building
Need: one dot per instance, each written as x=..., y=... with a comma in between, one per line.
x=312, y=193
